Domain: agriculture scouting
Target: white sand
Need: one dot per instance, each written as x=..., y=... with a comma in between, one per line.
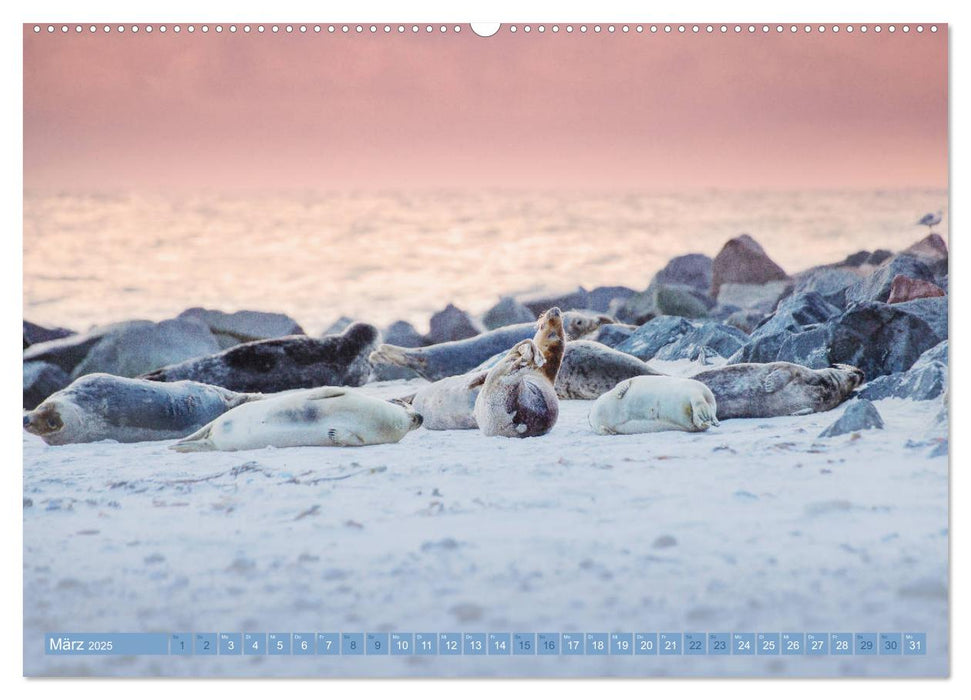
x=768, y=529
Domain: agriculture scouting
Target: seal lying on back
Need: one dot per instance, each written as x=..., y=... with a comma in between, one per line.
x=778, y=388
x=325, y=416
x=517, y=398
x=652, y=405
x=281, y=364
x=105, y=407
x=442, y=360
x=588, y=370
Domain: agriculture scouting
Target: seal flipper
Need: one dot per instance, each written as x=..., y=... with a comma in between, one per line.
x=776, y=380
x=478, y=380
x=703, y=415
x=412, y=358
x=342, y=437
x=199, y=441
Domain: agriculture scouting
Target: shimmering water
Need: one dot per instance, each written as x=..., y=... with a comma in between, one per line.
x=95, y=258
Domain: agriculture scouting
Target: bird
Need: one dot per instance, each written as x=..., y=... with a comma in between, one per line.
x=930, y=220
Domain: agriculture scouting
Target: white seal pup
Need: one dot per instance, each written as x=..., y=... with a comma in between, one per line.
x=105, y=407
x=653, y=405
x=517, y=398
x=434, y=362
x=282, y=364
x=449, y=404
x=751, y=390
x=326, y=416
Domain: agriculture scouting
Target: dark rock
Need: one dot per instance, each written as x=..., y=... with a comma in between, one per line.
x=602, y=299
x=926, y=380
x=337, y=327
x=452, y=323
x=41, y=379
x=743, y=261
x=243, y=326
x=34, y=334
x=830, y=282
x=403, y=334
x=931, y=248
x=879, y=256
x=796, y=312
x=693, y=270
x=856, y=259
x=68, y=352
x=859, y=415
x=761, y=297
x=507, y=312
x=137, y=349
x=904, y=288
x=645, y=342
x=745, y=320
x=876, y=286
x=664, y=300
x=578, y=299
x=703, y=341
x=613, y=334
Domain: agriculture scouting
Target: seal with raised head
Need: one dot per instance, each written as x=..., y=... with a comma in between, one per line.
x=281, y=364
x=325, y=416
x=105, y=407
x=653, y=405
x=435, y=362
x=517, y=398
x=751, y=390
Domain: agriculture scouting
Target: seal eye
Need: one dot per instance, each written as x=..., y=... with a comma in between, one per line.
x=52, y=423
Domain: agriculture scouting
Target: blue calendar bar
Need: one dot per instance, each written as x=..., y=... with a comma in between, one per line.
x=629, y=644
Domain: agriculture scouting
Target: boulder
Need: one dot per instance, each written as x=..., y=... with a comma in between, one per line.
x=904, y=288
x=507, y=312
x=68, y=352
x=704, y=341
x=664, y=300
x=830, y=282
x=859, y=415
x=34, y=334
x=243, y=326
x=137, y=349
x=746, y=320
x=796, y=312
x=926, y=380
x=404, y=335
x=931, y=248
x=41, y=379
x=603, y=299
x=856, y=259
x=876, y=286
x=693, y=270
x=451, y=323
x=613, y=334
x=645, y=342
x=762, y=297
x=337, y=327
x=878, y=257
x=577, y=299
x=743, y=261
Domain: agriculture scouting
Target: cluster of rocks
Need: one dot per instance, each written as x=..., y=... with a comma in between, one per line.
x=885, y=313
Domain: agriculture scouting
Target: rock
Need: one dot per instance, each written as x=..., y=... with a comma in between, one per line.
x=243, y=326
x=577, y=299
x=613, y=334
x=926, y=380
x=68, y=352
x=878, y=338
x=856, y=259
x=451, y=323
x=34, y=334
x=745, y=320
x=830, y=282
x=703, y=341
x=878, y=257
x=743, y=261
x=645, y=342
x=507, y=312
x=664, y=300
x=795, y=313
x=403, y=334
x=931, y=248
x=904, y=288
x=41, y=379
x=876, y=286
x=137, y=349
x=762, y=297
x=337, y=327
x=602, y=299
x=693, y=270
x=859, y=415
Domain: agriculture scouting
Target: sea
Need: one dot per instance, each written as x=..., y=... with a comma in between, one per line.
x=92, y=258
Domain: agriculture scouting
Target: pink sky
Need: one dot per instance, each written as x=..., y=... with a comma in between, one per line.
x=638, y=111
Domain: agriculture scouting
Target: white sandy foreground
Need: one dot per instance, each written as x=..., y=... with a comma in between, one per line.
x=756, y=526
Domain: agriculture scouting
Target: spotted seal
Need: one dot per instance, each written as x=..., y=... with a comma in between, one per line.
x=281, y=364
x=325, y=416
x=752, y=390
x=105, y=407
x=653, y=405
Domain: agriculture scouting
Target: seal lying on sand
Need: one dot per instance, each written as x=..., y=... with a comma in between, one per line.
x=442, y=360
x=281, y=364
x=778, y=388
x=325, y=416
x=588, y=370
x=517, y=398
x=652, y=405
x=105, y=407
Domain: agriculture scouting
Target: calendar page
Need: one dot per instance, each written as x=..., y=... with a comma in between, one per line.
x=509, y=350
